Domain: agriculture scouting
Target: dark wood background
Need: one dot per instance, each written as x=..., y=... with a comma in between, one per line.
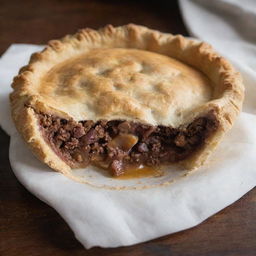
x=30, y=227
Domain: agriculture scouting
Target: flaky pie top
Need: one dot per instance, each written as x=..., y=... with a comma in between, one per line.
x=125, y=84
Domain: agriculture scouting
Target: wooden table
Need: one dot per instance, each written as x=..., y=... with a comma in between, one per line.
x=30, y=227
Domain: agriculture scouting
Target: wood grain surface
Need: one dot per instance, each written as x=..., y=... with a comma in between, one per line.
x=30, y=227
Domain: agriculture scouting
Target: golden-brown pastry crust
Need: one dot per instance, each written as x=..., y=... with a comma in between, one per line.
x=134, y=84
x=138, y=73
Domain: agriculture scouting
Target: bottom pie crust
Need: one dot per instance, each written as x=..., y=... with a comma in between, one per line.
x=116, y=145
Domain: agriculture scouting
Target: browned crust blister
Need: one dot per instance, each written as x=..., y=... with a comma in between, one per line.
x=228, y=87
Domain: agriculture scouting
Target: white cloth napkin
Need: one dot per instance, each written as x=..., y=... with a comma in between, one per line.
x=111, y=218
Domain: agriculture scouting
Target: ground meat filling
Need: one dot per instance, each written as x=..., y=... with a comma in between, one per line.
x=116, y=144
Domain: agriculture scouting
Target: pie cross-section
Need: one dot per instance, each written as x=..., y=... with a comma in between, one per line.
x=123, y=96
